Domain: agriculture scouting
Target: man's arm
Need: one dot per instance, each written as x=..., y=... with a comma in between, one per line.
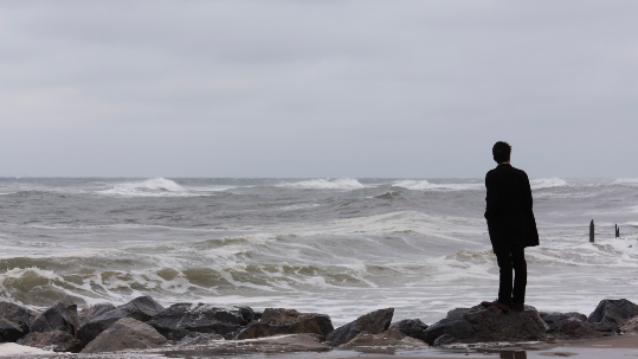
x=491, y=199
x=528, y=195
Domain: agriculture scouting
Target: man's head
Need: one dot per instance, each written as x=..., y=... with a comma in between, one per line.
x=501, y=152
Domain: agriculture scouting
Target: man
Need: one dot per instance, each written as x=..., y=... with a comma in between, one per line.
x=512, y=227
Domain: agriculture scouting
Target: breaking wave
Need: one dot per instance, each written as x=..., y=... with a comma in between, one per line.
x=547, y=183
x=159, y=187
x=626, y=182
x=345, y=184
x=424, y=185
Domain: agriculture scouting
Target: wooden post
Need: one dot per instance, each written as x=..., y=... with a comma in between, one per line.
x=617, y=231
x=591, y=231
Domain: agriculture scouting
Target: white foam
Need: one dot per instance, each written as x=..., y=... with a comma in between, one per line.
x=547, y=183
x=336, y=184
x=154, y=187
x=424, y=185
x=11, y=349
x=626, y=181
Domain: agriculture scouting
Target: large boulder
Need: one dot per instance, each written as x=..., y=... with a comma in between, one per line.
x=181, y=319
x=278, y=321
x=57, y=341
x=479, y=324
x=613, y=313
x=16, y=314
x=414, y=328
x=572, y=326
x=372, y=323
x=9, y=331
x=141, y=308
x=391, y=338
x=62, y=316
x=14, y=322
x=85, y=315
x=127, y=333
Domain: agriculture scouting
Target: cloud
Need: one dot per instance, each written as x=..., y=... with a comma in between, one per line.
x=316, y=88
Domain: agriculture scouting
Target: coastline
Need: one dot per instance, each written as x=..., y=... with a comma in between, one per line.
x=292, y=348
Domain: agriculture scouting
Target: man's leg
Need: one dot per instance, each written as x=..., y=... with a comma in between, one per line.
x=504, y=260
x=520, y=279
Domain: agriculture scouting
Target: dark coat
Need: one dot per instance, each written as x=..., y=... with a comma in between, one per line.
x=510, y=219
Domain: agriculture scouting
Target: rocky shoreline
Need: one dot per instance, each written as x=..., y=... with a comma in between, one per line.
x=144, y=325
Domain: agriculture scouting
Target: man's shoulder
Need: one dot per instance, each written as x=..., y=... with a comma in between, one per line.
x=520, y=171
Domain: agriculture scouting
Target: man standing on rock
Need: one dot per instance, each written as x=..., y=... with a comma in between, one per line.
x=511, y=224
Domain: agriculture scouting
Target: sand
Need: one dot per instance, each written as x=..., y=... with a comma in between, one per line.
x=299, y=347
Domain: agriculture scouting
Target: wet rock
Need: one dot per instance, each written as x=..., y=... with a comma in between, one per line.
x=249, y=314
x=571, y=326
x=278, y=321
x=57, y=341
x=181, y=319
x=392, y=337
x=141, y=308
x=631, y=326
x=127, y=333
x=199, y=339
x=86, y=314
x=413, y=328
x=613, y=313
x=9, y=331
x=16, y=314
x=371, y=323
x=62, y=316
x=479, y=324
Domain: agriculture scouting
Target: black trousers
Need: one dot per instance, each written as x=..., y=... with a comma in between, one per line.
x=511, y=257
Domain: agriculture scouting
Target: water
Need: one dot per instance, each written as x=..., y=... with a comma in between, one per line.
x=342, y=247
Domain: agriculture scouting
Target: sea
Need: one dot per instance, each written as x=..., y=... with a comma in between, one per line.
x=342, y=247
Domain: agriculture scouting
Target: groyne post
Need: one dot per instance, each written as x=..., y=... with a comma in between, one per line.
x=617, y=231
x=591, y=231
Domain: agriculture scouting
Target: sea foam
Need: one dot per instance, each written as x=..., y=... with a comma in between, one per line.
x=336, y=184
x=424, y=185
x=547, y=183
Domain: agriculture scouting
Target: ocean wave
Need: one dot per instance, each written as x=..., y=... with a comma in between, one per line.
x=424, y=185
x=336, y=184
x=625, y=182
x=547, y=183
x=160, y=187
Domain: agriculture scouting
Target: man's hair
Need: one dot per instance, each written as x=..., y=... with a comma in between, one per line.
x=501, y=151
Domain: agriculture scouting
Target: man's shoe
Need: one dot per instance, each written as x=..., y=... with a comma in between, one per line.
x=497, y=304
x=519, y=307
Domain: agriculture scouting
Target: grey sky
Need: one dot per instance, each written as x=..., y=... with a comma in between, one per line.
x=317, y=88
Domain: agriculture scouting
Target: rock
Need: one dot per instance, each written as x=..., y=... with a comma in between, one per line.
x=278, y=321
x=16, y=314
x=127, y=333
x=631, y=326
x=392, y=337
x=141, y=308
x=57, y=341
x=371, y=323
x=199, y=339
x=86, y=314
x=249, y=314
x=181, y=319
x=479, y=324
x=413, y=328
x=9, y=331
x=613, y=313
x=571, y=326
x=62, y=316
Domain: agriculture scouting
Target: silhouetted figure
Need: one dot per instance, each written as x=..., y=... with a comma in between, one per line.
x=511, y=224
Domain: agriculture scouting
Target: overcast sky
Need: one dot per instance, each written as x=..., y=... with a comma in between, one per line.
x=317, y=88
